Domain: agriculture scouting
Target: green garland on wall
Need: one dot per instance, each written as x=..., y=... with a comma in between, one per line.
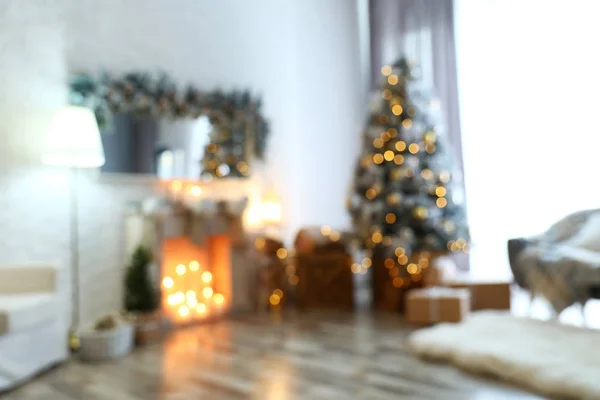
x=239, y=133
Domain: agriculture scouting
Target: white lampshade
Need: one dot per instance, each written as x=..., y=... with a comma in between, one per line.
x=74, y=139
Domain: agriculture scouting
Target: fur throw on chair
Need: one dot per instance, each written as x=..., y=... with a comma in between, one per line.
x=563, y=263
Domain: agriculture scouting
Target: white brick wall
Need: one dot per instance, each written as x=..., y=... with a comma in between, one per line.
x=301, y=56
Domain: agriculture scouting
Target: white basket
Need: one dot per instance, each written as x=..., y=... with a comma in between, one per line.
x=108, y=344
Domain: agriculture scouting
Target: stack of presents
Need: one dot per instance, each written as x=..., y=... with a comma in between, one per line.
x=317, y=274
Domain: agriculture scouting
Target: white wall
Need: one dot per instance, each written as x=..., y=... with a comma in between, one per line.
x=302, y=56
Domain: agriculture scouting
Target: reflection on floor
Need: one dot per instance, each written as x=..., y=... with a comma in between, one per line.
x=267, y=357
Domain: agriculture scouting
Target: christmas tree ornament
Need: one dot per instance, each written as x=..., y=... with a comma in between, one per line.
x=420, y=213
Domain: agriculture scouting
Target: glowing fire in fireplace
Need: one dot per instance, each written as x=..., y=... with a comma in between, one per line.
x=195, y=280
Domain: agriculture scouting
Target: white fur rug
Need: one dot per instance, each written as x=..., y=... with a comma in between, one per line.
x=547, y=357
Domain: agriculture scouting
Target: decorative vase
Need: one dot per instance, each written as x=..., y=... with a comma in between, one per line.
x=98, y=345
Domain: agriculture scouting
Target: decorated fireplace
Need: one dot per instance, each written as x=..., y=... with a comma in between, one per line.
x=202, y=249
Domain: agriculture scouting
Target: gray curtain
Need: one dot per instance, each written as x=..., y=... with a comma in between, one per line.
x=424, y=31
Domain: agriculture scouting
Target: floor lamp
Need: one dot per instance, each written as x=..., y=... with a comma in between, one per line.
x=74, y=142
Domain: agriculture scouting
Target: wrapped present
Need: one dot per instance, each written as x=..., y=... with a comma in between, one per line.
x=321, y=240
x=323, y=266
x=485, y=293
x=437, y=304
x=325, y=281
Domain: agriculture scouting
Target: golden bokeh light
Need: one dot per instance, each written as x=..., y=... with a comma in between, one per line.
x=440, y=191
x=172, y=299
x=429, y=137
x=390, y=218
x=334, y=236
x=424, y=262
x=278, y=292
x=400, y=145
x=325, y=230
x=377, y=158
x=397, y=109
x=441, y=202
x=416, y=277
x=389, y=263
x=409, y=172
x=190, y=294
x=200, y=308
x=281, y=253
x=167, y=282
x=290, y=270
x=387, y=241
x=378, y=143
x=413, y=148
x=407, y=123
x=180, y=297
x=367, y=262
x=388, y=155
x=274, y=300
x=293, y=280
x=427, y=174
x=420, y=212
x=196, y=191
x=386, y=94
x=392, y=80
x=184, y=311
x=176, y=185
x=192, y=302
x=356, y=268
x=385, y=136
x=218, y=298
x=259, y=243
x=398, y=159
x=461, y=242
x=412, y=268
x=386, y=70
x=206, y=277
x=397, y=282
x=393, y=198
x=180, y=269
x=430, y=148
x=444, y=176
x=207, y=292
x=394, y=272
x=377, y=237
x=194, y=265
x=371, y=193
x=392, y=132
x=403, y=259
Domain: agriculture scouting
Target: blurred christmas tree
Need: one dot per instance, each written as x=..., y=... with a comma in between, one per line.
x=141, y=295
x=405, y=198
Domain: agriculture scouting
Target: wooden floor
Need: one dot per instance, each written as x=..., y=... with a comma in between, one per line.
x=270, y=357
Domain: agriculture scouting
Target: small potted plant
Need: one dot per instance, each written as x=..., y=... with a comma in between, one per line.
x=142, y=297
x=110, y=337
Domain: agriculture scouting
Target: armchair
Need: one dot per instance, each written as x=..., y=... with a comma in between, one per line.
x=33, y=322
x=563, y=263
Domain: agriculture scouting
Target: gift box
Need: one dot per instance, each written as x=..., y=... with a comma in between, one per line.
x=486, y=294
x=323, y=264
x=325, y=281
x=437, y=304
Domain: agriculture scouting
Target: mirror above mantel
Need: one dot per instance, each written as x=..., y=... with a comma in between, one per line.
x=150, y=128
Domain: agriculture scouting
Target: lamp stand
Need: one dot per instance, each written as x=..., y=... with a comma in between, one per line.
x=74, y=342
